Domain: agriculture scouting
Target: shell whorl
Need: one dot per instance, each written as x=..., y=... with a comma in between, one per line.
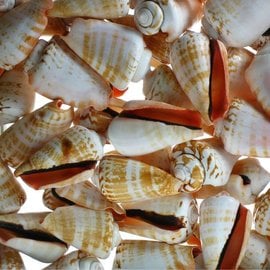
x=148, y=17
x=90, y=263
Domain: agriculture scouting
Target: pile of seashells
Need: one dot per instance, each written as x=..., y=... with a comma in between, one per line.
x=185, y=160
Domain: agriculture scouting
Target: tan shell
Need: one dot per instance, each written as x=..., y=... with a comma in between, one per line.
x=234, y=22
x=125, y=180
x=95, y=42
x=243, y=130
x=52, y=201
x=162, y=85
x=218, y=216
x=100, y=9
x=32, y=131
x=60, y=73
x=56, y=26
x=21, y=28
x=249, y=178
x=16, y=96
x=257, y=76
x=261, y=41
x=169, y=219
x=85, y=194
x=77, y=144
x=202, y=162
x=76, y=260
x=139, y=254
x=91, y=231
x=262, y=214
x=12, y=195
x=256, y=256
x=10, y=259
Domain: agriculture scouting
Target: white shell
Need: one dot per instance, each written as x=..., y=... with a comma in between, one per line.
x=6, y=5
x=95, y=42
x=62, y=74
x=257, y=76
x=244, y=131
x=237, y=23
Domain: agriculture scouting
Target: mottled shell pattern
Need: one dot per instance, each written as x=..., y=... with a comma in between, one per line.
x=95, y=42
x=262, y=214
x=244, y=130
x=202, y=162
x=169, y=219
x=83, y=87
x=10, y=259
x=12, y=195
x=125, y=180
x=76, y=226
x=100, y=9
x=234, y=22
x=21, y=28
x=141, y=254
x=32, y=131
x=16, y=96
x=76, y=260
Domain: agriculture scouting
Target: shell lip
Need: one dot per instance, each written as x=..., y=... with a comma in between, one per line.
x=10, y=230
x=55, y=174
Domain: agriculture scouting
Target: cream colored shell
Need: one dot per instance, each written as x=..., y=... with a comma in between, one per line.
x=32, y=131
x=21, y=28
x=244, y=130
x=91, y=231
x=10, y=259
x=52, y=201
x=16, y=96
x=60, y=73
x=125, y=180
x=100, y=9
x=141, y=254
x=235, y=22
x=113, y=50
x=6, y=5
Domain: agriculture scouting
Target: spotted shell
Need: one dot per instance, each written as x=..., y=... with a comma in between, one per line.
x=76, y=226
x=33, y=130
x=202, y=162
x=141, y=254
x=95, y=42
x=10, y=259
x=234, y=22
x=21, y=28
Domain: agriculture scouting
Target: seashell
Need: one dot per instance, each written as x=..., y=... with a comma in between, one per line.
x=87, y=195
x=32, y=131
x=66, y=158
x=22, y=232
x=21, y=28
x=249, y=178
x=12, y=195
x=162, y=85
x=125, y=180
x=93, y=119
x=6, y=5
x=256, y=256
x=224, y=231
x=148, y=126
x=172, y=17
x=200, y=66
x=94, y=41
x=208, y=190
x=238, y=61
x=262, y=214
x=261, y=41
x=16, y=96
x=76, y=226
x=204, y=162
x=100, y=9
x=76, y=260
x=234, y=22
x=56, y=26
x=169, y=219
x=257, y=76
x=35, y=55
x=10, y=259
x=141, y=254
x=243, y=130
x=83, y=87
x=51, y=199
